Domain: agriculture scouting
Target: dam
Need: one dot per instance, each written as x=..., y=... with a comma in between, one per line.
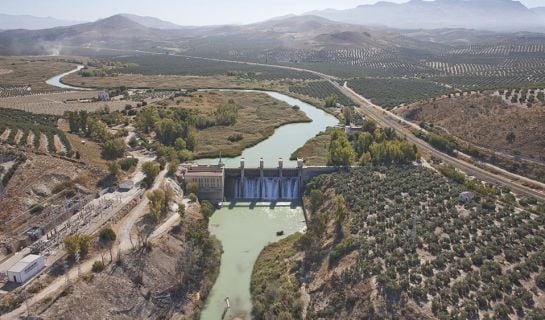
x=219, y=184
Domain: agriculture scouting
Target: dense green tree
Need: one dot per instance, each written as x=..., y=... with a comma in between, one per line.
x=331, y=101
x=340, y=150
x=113, y=149
x=151, y=170
x=107, y=239
x=157, y=203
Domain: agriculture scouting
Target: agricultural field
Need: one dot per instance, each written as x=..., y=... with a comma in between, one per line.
x=176, y=65
x=320, y=90
x=160, y=81
x=35, y=131
x=522, y=97
x=60, y=102
x=17, y=73
x=397, y=242
x=390, y=93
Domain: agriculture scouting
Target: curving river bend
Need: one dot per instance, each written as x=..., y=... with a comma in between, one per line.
x=244, y=229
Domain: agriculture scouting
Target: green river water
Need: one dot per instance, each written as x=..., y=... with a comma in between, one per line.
x=244, y=229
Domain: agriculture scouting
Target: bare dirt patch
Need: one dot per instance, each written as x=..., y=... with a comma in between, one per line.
x=30, y=139
x=5, y=134
x=18, y=136
x=59, y=146
x=43, y=143
x=36, y=180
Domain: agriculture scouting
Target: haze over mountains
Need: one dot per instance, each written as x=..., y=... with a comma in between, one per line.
x=8, y=22
x=416, y=25
x=496, y=15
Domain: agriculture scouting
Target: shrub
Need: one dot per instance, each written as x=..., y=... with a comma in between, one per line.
x=98, y=266
x=127, y=163
x=235, y=137
x=192, y=197
x=192, y=187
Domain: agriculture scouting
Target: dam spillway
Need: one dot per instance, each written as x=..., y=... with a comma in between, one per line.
x=266, y=188
x=263, y=184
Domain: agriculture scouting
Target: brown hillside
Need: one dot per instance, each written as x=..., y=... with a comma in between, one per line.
x=485, y=121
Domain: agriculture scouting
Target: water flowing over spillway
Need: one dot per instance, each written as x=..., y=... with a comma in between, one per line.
x=244, y=229
x=267, y=188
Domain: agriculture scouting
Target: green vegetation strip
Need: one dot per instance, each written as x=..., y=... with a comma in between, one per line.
x=274, y=285
x=390, y=93
x=321, y=90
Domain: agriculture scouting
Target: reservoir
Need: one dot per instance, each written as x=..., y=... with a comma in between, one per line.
x=285, y=139
x=245, y=228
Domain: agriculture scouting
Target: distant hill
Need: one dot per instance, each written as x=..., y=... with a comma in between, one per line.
x=152, y=22
x=10, y=22
x=494, y=15
x=114, y=32
x=122, y=32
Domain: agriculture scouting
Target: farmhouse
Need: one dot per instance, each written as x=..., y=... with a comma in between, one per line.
x=26, y=268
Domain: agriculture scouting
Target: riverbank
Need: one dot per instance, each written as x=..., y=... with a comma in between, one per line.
x=258, y=116
x=244, y=229
x=177, y=82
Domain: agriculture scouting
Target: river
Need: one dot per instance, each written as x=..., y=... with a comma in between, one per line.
x=56, y=80
x=244, y=229
x=285, y=139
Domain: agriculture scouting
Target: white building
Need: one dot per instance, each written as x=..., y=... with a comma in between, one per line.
x=26, y=268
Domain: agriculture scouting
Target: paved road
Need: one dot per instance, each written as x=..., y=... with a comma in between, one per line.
x=124, y=244
x=388, y=119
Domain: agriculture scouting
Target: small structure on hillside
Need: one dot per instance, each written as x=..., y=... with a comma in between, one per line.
x=126, y=186
x=466, y=196
x=352, y=129
x=210, y=180
x=26, y=268
x=103, y=96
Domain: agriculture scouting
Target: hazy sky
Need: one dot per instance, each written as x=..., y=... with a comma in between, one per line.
x=184, y=12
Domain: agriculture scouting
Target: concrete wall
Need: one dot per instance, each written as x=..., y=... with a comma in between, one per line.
x=231, y=174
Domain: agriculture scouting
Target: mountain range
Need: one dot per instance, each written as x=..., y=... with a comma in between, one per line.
x=494, y=15
x=122, y=33
x=8, y=22
x=283, y=36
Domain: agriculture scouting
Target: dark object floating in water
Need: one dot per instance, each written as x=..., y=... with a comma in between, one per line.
x=280, y=233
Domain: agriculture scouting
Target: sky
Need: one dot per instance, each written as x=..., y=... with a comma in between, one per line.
x=183, y=12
